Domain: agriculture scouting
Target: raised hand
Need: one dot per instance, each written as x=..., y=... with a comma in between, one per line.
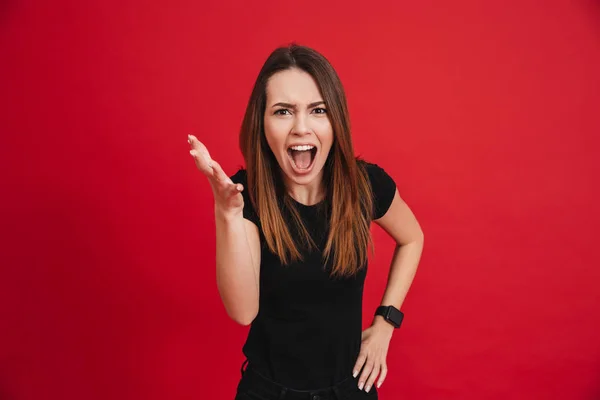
x=228, y=198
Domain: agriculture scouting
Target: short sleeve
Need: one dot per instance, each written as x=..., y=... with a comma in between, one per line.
x=249, y=211
x=383, y=187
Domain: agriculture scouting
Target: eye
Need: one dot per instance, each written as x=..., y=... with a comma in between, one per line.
x=321, y=110
x=281, y=111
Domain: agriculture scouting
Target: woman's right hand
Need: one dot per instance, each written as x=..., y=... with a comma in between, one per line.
x=228, y=197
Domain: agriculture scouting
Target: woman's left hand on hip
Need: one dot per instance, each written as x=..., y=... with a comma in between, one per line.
x=373, y=353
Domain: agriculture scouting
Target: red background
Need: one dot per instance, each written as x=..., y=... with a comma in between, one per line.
x=485, y=114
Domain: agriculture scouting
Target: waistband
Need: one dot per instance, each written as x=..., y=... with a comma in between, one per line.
x=331, y=392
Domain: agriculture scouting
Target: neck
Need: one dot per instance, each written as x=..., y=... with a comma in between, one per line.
x=308, y=194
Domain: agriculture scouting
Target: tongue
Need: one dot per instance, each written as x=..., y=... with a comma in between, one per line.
x=301, y=158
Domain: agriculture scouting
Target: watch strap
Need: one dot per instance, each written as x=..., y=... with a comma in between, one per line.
x=391, y=314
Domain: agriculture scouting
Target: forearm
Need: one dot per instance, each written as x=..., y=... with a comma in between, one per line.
x=237, y=278
x=402, y=272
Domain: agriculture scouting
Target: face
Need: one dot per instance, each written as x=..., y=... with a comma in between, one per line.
x=297, y=127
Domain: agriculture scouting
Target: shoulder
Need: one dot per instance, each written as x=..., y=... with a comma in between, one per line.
x=383, y=186
x=241, y=176
x=376, y=174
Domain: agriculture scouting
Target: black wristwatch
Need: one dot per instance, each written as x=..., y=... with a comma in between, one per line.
x=391, y=314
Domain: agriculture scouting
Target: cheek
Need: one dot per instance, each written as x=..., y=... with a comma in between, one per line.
x=274, y=136
x=326, y=138
x=324, y=132
x=330, y=138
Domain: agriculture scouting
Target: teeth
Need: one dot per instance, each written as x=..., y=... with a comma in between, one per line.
x=302, y=148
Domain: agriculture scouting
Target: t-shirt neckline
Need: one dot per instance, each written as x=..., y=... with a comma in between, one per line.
x=312, y=206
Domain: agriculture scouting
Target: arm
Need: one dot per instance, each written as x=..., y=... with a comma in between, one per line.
x=238, y=242
x=238, y=266
x=400, y=223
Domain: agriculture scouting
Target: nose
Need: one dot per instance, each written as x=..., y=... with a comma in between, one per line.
x=300, y=127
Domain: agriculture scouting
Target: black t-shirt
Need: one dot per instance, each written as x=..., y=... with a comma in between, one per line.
x=307, y=333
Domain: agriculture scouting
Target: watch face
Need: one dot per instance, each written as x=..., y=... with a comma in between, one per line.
x=395, y=316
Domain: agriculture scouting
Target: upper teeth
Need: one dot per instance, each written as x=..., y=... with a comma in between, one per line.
x=302, y=148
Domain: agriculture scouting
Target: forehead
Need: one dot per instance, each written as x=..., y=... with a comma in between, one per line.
x=292, y=85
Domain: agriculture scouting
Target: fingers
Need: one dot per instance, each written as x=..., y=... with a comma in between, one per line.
x=365, y=374
x=201, y=163
x=374, y=372
x=200, y=149
x=370, y=371
x=360, y=361
x=206, y=164
x=219, y=174
x=218, y=179
x=234, y=189
x=200, y=155
x=382, y=375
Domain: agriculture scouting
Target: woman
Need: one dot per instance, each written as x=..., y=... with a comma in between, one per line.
x=293, y=235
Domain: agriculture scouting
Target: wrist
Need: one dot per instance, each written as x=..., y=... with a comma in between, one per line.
x=390, y=314
x=225, y=215
x=380, y=322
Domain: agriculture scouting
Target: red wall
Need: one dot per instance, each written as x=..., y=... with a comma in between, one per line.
x=485, y=113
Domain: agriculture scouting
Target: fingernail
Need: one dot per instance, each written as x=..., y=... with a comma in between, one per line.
x=378, y=385
x=355, y=373
x=360, y=386
x=192, y=152
x=367, y=389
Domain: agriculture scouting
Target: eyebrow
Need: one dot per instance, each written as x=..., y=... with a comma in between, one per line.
x=288, y=105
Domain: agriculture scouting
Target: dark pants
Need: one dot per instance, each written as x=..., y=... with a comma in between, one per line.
x=255, y=386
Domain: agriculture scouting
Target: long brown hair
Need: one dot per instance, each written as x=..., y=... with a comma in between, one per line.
x=346, y=181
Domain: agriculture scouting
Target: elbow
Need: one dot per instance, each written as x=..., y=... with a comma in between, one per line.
x=244, y=322
x=420, y=236
x=417, y=239
x=244, y=318
x=421, y=240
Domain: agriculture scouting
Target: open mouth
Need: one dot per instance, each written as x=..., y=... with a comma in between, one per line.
x=302, y=157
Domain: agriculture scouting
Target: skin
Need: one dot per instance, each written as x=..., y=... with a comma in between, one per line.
x=400, y=223
x=296, y=114
x=237, y=271
x=303, y=120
